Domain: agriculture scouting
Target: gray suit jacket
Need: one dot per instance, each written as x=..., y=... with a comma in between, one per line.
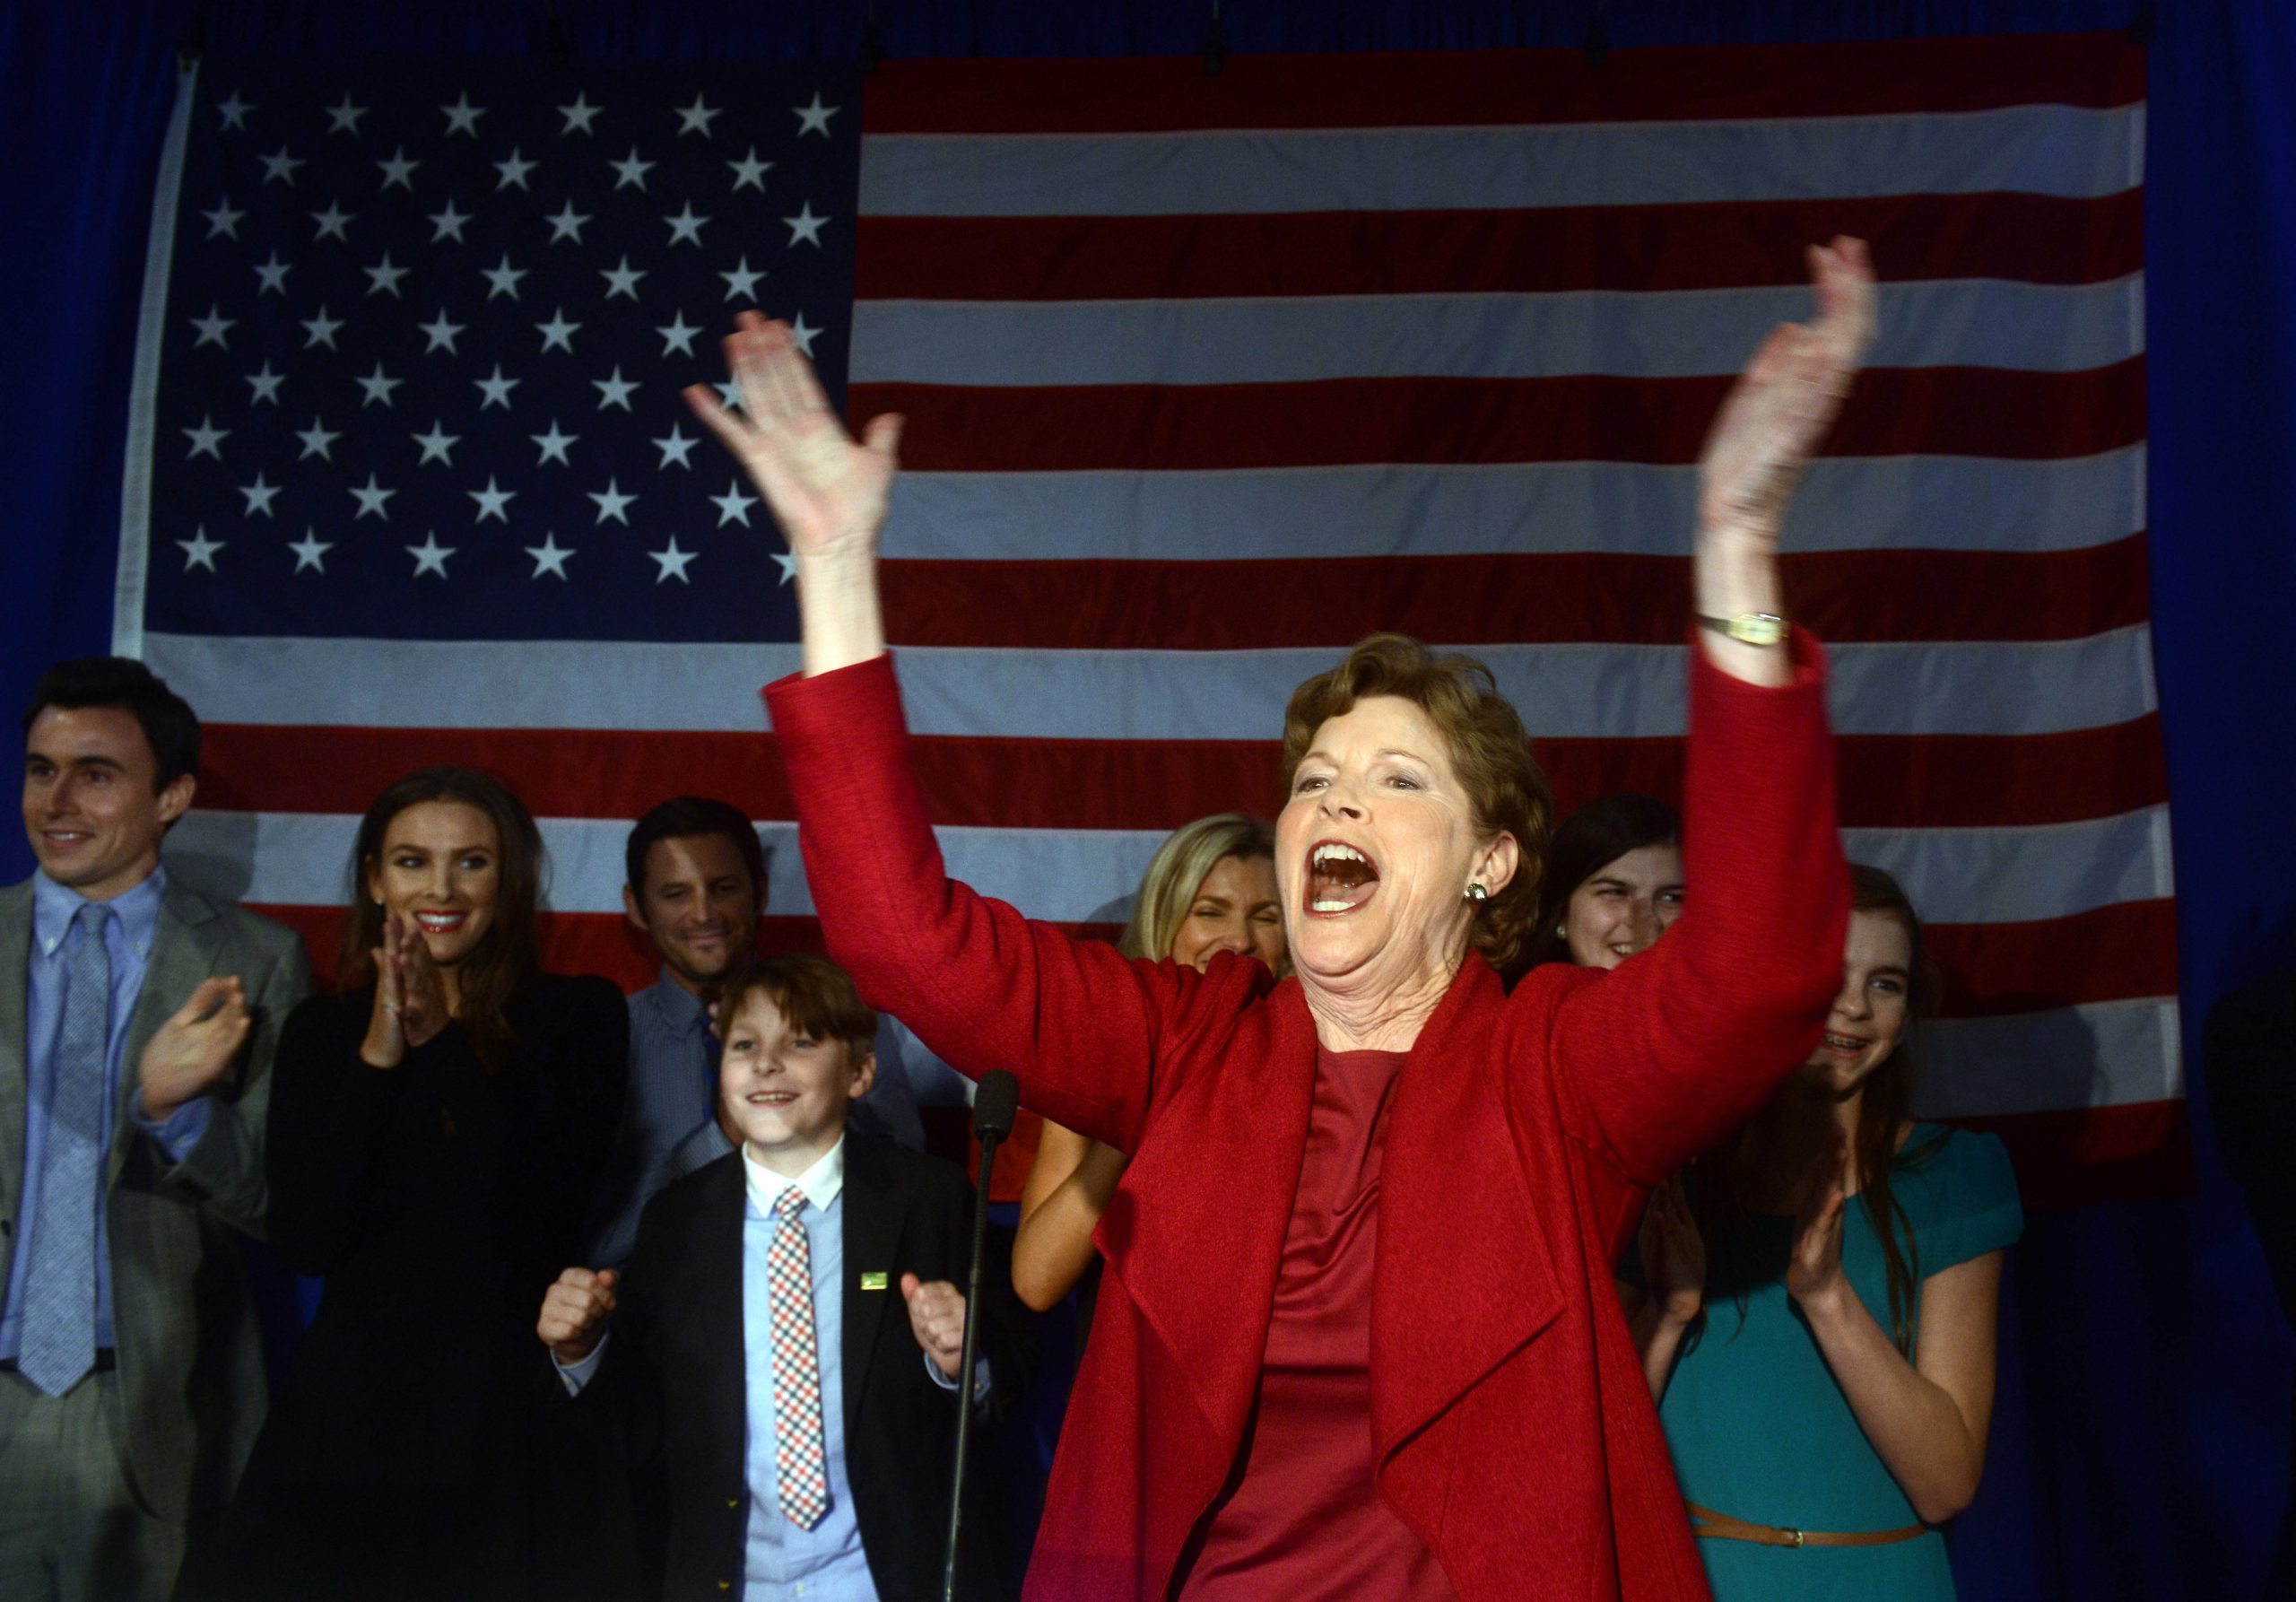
x=190, y=1355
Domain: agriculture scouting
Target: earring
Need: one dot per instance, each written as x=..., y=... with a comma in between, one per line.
x=1476, y=893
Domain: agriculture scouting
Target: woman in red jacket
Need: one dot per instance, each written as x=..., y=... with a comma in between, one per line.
x=1357, y=1336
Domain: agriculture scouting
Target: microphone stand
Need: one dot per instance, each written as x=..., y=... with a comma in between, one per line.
x=993, y=1108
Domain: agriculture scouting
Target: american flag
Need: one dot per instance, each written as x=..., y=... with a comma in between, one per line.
x=1207, y=376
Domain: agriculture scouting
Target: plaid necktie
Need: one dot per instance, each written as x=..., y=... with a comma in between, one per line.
x=59, y=1330
x=800, y=1462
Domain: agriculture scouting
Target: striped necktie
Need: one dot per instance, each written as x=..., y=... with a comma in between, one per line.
x=800, y=1462
x=59, y=1331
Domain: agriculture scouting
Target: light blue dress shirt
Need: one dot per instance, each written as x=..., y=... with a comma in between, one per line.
x=128, y=936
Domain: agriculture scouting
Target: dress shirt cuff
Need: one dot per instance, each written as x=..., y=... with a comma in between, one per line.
x=979, y=1382
x=574, y=1376
x=181, y=1130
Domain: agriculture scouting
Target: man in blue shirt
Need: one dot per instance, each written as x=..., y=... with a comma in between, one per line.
x=137, y=1020
x=787, y=1338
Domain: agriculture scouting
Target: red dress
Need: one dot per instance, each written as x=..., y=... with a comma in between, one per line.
x=1512, y=1432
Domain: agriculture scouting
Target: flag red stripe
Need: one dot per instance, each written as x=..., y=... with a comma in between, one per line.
x=1938, y=411
x=2030, y=239
x=1503, y=87
x=1609, y=596
x=2082, y=1156
x=1887, y=780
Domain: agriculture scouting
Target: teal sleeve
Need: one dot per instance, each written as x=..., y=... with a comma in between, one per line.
x=1975, y=1203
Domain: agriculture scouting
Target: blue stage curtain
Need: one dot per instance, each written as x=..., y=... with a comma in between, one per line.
x=2141, y=1448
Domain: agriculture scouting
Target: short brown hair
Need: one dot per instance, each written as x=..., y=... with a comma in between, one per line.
x=813, y=994
x=1489, y=748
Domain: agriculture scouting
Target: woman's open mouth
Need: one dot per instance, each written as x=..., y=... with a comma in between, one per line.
x=1341, y=878
x=440, y=922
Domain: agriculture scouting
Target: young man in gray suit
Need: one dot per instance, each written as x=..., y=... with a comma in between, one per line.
x=137, y=1020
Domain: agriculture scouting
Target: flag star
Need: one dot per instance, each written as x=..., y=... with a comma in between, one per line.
x=813, y=118
x=382, y=278
x=235, y=110
x=622, y=279
x=213, y=326
x=632, y=170
x=399, y=170
x=344, y=119
x=741, y=284
x=804, y=228
x=733, y=505
x=448, y=224
x=441, y=333
x=265, y=385
x=462, y=117
x=223, y=220
x=282, y=166
x=260, y=495
x=496, y=389
x=199, y=550
x=558, y=334
x=613, y=392
x=206, y=438
x=490, y=501
x=504, y=278
x=430, y=556
x=371, y=499
x=331, y=221
x=310, y=550
x=749, y=172
x=514, y=171
x=378, y=387
x=611, y=503
x=316, y=439
x=696, y=119
x=579, y=116
x=802, y=335
x=567, y=224
x=321, y=330
x=685, y=225
x=554, y=444
x=438, y=445
x=788, y=565
x=676, y=448
x=271, y=276
x=550, y=556
x=729, y=395
x=672, y=562
x=678, y=336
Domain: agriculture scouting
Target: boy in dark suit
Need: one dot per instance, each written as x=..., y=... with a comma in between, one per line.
x=786, y=1338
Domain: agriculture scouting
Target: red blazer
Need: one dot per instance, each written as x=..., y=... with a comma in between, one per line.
x=1513, y=1429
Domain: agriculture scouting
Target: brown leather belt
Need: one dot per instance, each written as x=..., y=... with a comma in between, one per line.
x=1721, y=1527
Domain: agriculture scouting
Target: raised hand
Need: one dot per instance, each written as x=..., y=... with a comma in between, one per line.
x=189, y=1052
x=575, y=1311
x=1673, y=1253
x=1787, y=400
x=828, y=490
x=1813, y=1272
x=936, y=1313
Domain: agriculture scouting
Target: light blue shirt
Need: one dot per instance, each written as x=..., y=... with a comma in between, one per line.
x=128, y=936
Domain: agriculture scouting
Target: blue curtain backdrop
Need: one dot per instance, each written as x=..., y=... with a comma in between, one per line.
x=2141, y=1449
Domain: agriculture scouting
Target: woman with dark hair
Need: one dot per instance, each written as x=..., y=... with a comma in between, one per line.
x=1828, y=1405
x=436, y=1131
x=1614, y=881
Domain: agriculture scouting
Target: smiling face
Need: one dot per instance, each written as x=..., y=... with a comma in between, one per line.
x=785, y=1090
x=1235, y=909
x=91, y=812
x=1869, y=1016
x=1623, y=906
x=1375, y=850
x=442, y=868
x=697, y=906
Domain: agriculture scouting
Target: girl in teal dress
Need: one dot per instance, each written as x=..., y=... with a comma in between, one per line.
x=1821, y=1304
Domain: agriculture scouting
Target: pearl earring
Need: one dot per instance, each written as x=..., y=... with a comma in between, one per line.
x=1476, y=893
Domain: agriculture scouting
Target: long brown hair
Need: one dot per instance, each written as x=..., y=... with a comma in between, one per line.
x=508, y=955
x=1883, y=1102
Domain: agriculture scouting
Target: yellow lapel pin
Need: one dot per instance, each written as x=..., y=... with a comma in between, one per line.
x=872, y=1282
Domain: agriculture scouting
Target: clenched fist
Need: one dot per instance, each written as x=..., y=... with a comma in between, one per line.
x=936, y=1313
x=575, y=1311
x=189, y=1052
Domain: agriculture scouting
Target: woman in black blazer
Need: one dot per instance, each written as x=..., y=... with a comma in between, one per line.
x=436, y=1131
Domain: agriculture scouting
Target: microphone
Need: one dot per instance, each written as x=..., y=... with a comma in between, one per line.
x=993, y=1105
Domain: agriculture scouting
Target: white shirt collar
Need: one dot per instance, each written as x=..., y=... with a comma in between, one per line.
x=822, y=1183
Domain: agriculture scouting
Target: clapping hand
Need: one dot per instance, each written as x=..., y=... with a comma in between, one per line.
x=1673, y=1253
x=575, y=1311
x=189, y=1052
x=936, y=1313
x=1813, y=1272
x=410, y=998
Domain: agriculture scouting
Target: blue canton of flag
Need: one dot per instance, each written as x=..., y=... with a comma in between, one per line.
x=425, y=332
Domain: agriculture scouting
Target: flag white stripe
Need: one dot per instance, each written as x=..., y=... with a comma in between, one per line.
x=2064, y=151
x=2103, y=1054
x=1675, y=333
